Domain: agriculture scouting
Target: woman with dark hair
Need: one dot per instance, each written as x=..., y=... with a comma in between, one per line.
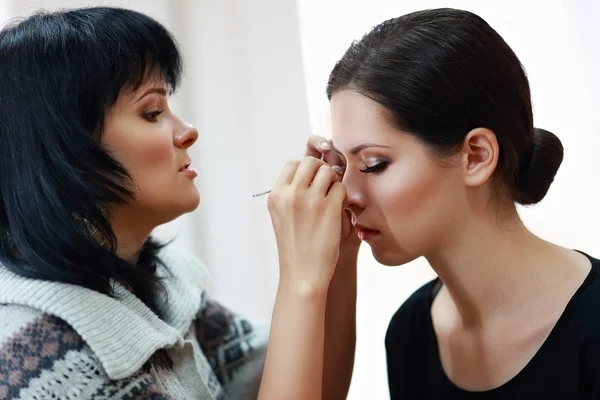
x=432, y=114
x=92, y=160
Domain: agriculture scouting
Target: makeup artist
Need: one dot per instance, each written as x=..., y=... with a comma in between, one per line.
x=92, y=159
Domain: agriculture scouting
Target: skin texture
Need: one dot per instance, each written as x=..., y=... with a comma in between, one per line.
x=448, y=210
x=340, y=315
x=306, y=207
x=152, y=143
x=408, y=184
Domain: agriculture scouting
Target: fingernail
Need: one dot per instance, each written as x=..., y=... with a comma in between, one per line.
x=325, y=145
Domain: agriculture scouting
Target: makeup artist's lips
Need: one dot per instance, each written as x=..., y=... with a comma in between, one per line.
x=366, y=233
x=186, y=169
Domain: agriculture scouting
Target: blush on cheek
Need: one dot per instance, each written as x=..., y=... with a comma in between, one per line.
x=147, y=162
x=415, y=204
x=137, y=145
x=154, y=168
x=411, y=189
x=154, y=155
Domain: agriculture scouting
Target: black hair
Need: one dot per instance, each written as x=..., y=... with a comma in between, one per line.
x=60, y=73
x=440, y=74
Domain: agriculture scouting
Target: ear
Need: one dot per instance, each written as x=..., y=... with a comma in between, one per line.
x=479, y=156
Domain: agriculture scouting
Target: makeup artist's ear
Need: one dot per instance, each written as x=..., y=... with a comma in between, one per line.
x=479, y=156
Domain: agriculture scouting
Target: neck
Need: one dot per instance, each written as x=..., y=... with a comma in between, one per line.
x=130, y=235
x=488, y=265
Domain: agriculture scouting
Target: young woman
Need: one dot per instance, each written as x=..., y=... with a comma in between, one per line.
x=91, y=307
x=432, y=114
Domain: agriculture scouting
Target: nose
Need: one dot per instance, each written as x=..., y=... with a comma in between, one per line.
x=356, y=199
x=187, y=136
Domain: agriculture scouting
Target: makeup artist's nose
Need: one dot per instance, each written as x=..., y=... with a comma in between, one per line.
x=187, y=136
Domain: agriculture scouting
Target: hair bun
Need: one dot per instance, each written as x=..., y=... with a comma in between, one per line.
x=539, y=167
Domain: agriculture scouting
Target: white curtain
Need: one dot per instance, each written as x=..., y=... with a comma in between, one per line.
x=245, y=91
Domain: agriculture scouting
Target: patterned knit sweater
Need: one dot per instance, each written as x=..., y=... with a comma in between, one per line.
x=61, y=341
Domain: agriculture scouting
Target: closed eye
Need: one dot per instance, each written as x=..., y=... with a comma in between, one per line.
x=153, y=116
x=375, y=168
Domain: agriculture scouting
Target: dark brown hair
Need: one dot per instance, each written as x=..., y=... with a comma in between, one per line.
x=441, y=73
x=60, y=74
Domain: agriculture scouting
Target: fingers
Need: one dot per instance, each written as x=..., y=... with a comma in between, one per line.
x=287, y=174
x=338, y=194
x=306, y=172
x=321, y=148
x=324, y=178
x=317, y=146
x=310, y=173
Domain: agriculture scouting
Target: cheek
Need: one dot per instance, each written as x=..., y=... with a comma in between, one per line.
x=154, y=154
x=410, y=185
x=140, y=155
x=417, y=199
x=146, y=152
x=153, y=169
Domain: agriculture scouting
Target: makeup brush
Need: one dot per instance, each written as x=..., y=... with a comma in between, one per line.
x=260, y=194
x=336, y=168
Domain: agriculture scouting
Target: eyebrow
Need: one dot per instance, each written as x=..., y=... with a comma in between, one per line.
x=161, y=91
x=357, y=149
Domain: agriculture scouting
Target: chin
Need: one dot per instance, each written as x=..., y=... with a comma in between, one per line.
x=187, y=208
x=391, y=257
x=184, y=206
x=188, y=200
x=194, y=201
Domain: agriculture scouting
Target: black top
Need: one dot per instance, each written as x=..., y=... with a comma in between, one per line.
x=567, y=366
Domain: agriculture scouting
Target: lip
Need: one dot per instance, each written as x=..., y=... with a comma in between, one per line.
x=191, y=172
x=186, y=165
x=365, y=233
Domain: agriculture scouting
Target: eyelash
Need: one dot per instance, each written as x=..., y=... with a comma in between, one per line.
x=377, y=168
x=151, y=117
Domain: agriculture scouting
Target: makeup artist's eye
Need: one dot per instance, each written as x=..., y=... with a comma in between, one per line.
x=379, y=167
x=152, y=117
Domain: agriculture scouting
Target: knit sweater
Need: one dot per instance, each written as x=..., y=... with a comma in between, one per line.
x=61, y=341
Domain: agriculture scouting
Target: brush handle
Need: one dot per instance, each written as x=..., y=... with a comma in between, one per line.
x=260, y=194
x=337, y=168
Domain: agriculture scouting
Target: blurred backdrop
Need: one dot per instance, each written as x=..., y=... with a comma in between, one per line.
x=254, y=86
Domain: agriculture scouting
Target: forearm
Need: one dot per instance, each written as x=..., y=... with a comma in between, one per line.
x=340, y=330
x=294, y=361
